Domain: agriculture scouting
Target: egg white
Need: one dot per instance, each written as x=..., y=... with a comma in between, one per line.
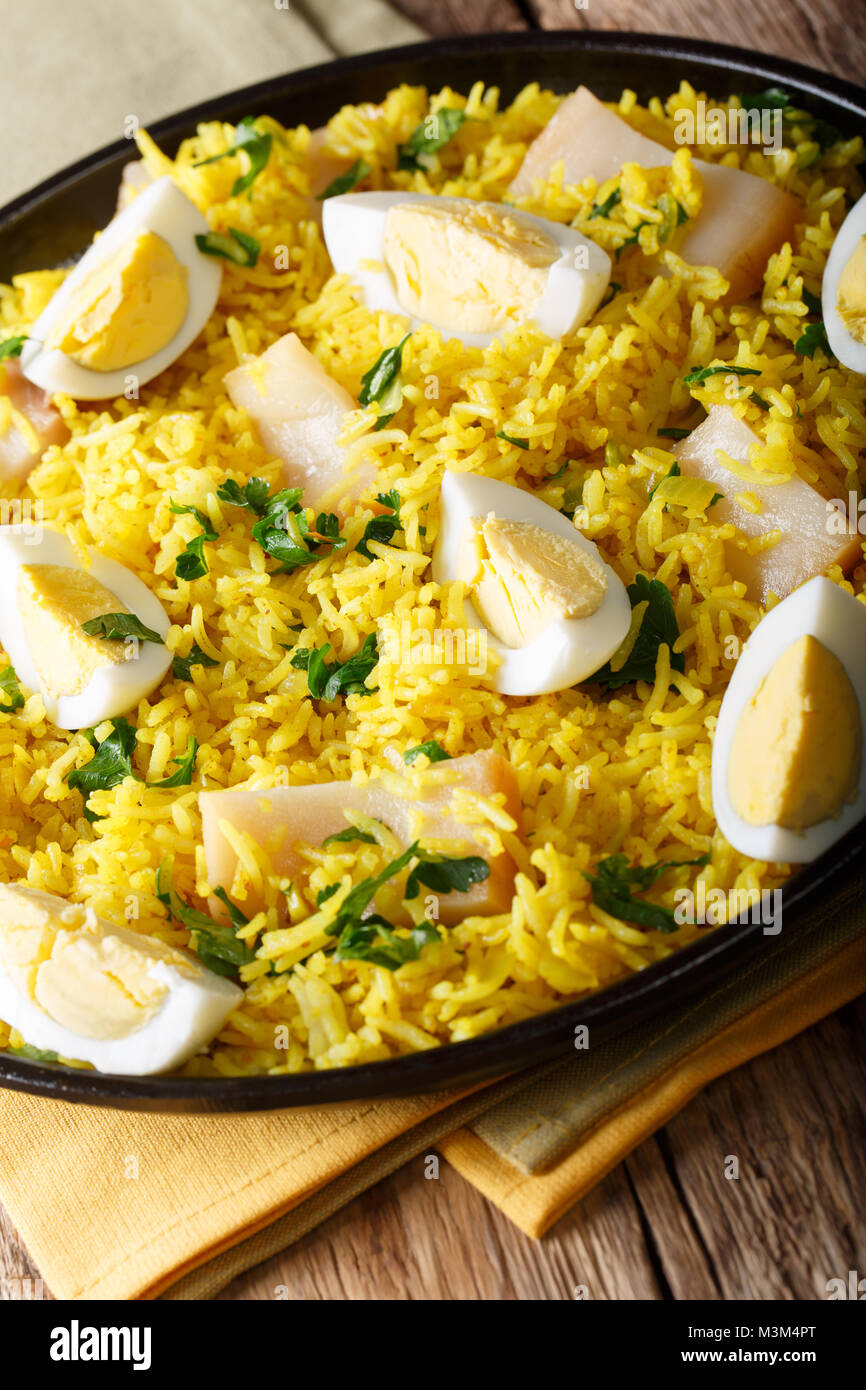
x=193, y=1011
x=113, y=689
x=818, y=609
x=354, y=229
x=569, y=650
x=848, y=351
x=163, y=209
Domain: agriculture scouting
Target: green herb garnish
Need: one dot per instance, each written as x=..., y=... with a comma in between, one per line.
x=217, y=946
x=234, y=246
x=775, y=99
x=328, y=679
x=433, y=132
x=116, y=627
x=699, y=374
x=10, y=691
x=374, y=940
x=673, y=432
x=813, y=336
x=254, y=494
x=381, y=528
x=612, y=886
x=347, y=836
x=255, y=144
x=673, y=472
x=185, y=767
x=659, y=626
x=282, y=528
x=12, y=346
x=383, y=384
x=431, y=749
x=110, y=764
x=190, y=563
x=445, y=875
x=606, y=208
x=181, y=666
x=510, y=439
x=33, y=1054
x=344, y=183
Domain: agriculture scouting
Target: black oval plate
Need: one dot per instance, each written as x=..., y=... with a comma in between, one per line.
x=57, y=220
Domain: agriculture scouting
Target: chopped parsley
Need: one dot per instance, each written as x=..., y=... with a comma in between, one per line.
x=233, y=245
x=431, y=750
x=12, y=347
x=190, y=563
x=182, y=777
x=775, y=99
x=510, y=439
x=254, y=494
x=348, y=836
x=673, y=472
x=659, y=626
x=445, y=875
x=33, y=1054
x=328, y=679
x=256, y=145
x=181, y=666
x=673, y=432
x=433, y=132
x=117, y=627
x=813, y=336
x=383, y=383
x=282, y=528
x=374, y=940
x=344, y=183
x=382, y=528
x=606, y=208
x=613, y=884
x=110, y=764
x=11, y=697
x=218, y=947
x=700, y=374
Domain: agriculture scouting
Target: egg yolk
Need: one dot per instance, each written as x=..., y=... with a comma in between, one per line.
x=128, y=308
x=795, y=755
x=478, y=269
x=53, y=602
x=852, y=293
x=523, y=578
x=86, y=979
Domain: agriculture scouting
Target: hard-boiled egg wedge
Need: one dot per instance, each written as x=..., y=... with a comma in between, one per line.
x=843, y=292
x=47, y=595
x=787, y=756
x=471, y=270
x=133, y=303
x=74, y=984
x=554, y=612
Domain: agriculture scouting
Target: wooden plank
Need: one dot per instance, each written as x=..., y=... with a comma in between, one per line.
x=463, y=16
x=822, y=33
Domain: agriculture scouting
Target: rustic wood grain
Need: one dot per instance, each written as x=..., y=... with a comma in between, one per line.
x=667, y=1223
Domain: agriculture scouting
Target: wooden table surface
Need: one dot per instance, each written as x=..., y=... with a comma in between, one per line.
x=663, y=1224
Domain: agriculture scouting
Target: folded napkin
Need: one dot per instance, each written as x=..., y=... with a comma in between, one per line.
x=118, y=1205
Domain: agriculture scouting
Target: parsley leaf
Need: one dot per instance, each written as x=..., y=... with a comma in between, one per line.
x=673, y=472
x=814, y=336
x=381, y=528
x=190, y=563
x=659, y=625
x=216, y=945
x=254, y=494
x=673, y=432
x=33, y=1054
x=433, y=132
x=431, y=749
x=116, y=627
x=606, y=208
x=185, y=767
x=614, y=881
x=509, y=439
x=256, y=145
x=344, y=183
x=382, y=383
x=328, y=679
x=12, y=346
x=700, y=374
x=347, y=836
x=233, y=246
x=375, y=941
x=445, y=875
x=110, y=764
x=11, y=697
x=181, y=666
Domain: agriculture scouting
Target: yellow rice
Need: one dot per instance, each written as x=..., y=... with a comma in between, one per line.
x=628, y=772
